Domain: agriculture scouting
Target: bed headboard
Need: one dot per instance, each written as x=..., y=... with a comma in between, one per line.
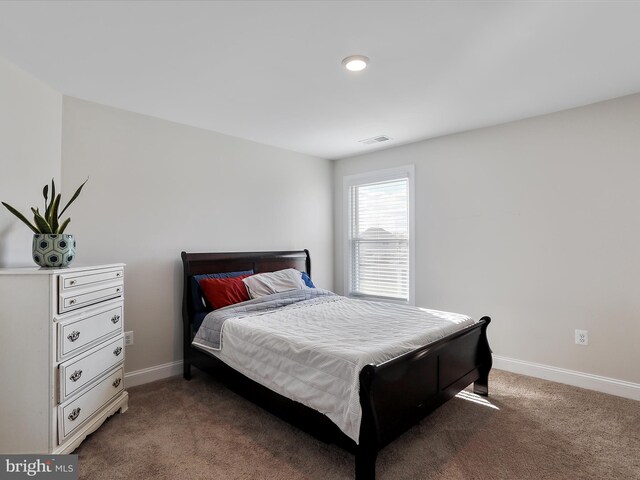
x=198, y=263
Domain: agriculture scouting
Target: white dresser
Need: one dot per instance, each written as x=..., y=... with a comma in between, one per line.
x=61, y=355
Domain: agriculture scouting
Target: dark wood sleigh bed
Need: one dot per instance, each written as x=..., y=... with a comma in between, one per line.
x=394, y=395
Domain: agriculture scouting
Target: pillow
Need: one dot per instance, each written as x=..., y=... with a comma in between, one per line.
x=307, y=280
x=222, y=292
x=197, y=299
x=268, y=283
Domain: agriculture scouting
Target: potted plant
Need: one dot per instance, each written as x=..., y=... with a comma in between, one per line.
x=51, y=246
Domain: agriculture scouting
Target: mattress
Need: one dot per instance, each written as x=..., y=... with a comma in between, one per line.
x=312, y=350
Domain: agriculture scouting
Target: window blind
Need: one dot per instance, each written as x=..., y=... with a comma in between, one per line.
x=379, y=239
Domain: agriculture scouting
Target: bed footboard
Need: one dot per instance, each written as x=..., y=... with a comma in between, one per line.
x=395, y=395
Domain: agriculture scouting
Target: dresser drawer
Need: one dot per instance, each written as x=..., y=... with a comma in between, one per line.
x=78, y=333
x=73, y=413
x=74, y=299
x=74, y=281
x=83, y=369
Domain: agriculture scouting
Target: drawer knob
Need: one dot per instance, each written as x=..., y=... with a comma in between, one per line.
x=73, y=336
x=118, y=274
x=118, y=289
x=116, y=382
x=115, y=319
x=72, y=282
x=75, y=376
x=72, y=301
x=117, y=351
x=74, y=413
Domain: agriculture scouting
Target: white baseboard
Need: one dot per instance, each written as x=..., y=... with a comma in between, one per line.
x=151, y=374
x=612, y=386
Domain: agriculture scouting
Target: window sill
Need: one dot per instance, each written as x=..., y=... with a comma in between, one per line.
x=374, y=298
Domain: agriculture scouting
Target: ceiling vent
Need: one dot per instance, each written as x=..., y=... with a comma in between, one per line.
x=373, y=140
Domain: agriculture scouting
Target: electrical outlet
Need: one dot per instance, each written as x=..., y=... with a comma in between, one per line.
x=582, y=337
x=128, y=338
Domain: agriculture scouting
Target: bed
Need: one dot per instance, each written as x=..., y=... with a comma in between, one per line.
x=393, y=395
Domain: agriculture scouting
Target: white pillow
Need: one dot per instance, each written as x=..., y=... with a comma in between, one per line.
x=268, y=283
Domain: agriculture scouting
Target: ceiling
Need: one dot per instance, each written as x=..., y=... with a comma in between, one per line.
x=270, y=71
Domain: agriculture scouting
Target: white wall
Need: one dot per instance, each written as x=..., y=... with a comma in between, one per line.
x=535, y=223
x=157, y=188
x=30, y=126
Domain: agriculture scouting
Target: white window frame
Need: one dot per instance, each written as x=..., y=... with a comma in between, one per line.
x=406, y=171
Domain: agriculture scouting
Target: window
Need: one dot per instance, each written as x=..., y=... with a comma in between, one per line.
x=379, y=234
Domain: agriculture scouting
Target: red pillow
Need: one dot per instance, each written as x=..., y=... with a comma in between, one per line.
x=221, y=292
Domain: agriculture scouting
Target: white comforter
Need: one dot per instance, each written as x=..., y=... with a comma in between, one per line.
x=313, y=352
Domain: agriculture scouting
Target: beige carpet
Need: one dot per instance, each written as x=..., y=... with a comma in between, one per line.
x=530, y=429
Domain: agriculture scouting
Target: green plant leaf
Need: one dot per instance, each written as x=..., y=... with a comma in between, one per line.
x=63, y=226
x=47, y=212
x=49, y=221
x=52, y=219
x=41, y=223
x=21, y=217
x=75, y=195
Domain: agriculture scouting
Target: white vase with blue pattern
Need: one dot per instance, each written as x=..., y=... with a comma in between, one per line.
x=53, y=250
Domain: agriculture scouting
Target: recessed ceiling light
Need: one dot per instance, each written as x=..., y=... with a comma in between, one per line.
x=355, y=63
